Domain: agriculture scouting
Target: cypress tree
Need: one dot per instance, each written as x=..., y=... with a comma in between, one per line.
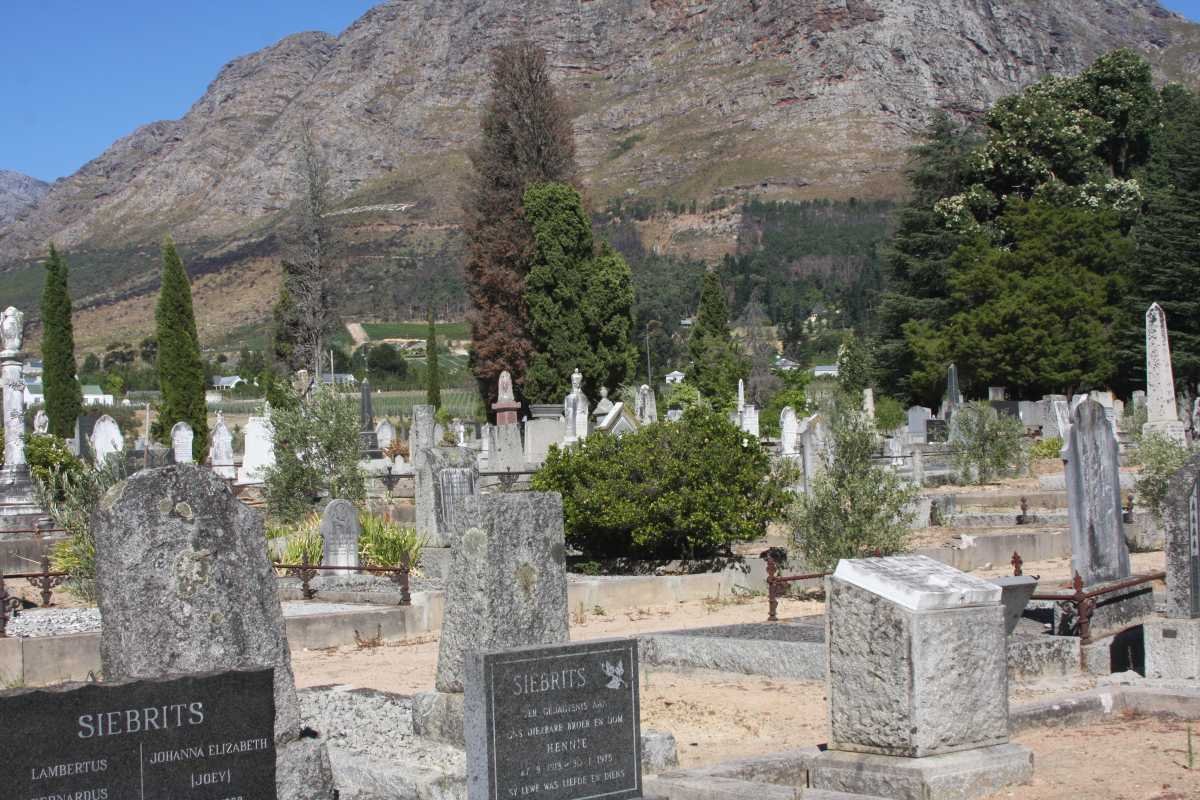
x=180, y=370
x=64, y=397
x=716, y=364
x=527, y=138
x=433, y=375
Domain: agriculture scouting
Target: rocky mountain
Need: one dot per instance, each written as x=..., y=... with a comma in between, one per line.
x=672, y=98
x=18, y=194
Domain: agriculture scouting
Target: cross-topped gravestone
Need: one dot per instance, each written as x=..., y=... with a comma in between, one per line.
x=340, y=530
x=1092, y=465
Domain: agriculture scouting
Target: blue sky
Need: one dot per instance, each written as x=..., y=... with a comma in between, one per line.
x=78, y=75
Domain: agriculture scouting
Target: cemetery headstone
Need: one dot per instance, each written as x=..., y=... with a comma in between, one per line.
x=107, y=440
x=1007, y=408
x=369, y=442
x=997, y=393
x=558, y=722
x=260, y=449
x=789, y=431
x=604, y=406
x=936, y=684
x=41, y=422
x=540, y=433
x=1092, y=465
x=1138, y=398
x=868, y=403
x=1181, y=521
x=937, y=431
x=508, y=586
x=506, y=405
x=918, y=421
x=953, y=397
x=197, y=735
x=749, y=421
x=340, y=530
x=385, y=434
x=813, y=449
x=647, y=405
x=181, y=442
x=184, y=585
x=1161, y=411
x=422, y=435
x=575, y=411
x=220, y=451
x=444, y=476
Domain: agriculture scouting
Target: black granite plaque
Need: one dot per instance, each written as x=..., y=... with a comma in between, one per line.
x=559, y=722
x=200, y=737
x=936, y=430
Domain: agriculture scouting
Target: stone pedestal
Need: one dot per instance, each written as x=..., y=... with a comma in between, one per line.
x=1172, y=648
x=952, y=776
x=918, y=683
x=506, y=412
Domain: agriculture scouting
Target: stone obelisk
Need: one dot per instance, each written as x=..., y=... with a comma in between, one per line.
x=1162, y=415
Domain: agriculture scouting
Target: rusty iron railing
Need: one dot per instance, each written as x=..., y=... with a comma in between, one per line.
x=45, y=580
x=7, y=603
x=306, y=572
x=1085, y=600
x=777, y=586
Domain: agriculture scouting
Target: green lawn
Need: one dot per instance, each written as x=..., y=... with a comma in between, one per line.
x=416, y=330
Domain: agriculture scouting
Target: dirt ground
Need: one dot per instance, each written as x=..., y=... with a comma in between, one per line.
x=1138, y=758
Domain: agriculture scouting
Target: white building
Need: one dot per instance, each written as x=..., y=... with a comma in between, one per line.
x=675, y=377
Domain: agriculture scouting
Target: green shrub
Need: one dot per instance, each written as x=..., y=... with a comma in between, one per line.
x=669, y=490
x=316, y=454
x=683, y=396
x=69, y=492
x=383, y=543
x=1161, y=457
x=856, y=507
x=46, y=453
x=987, y=446
x=304, y=540
x=889, y=414
x=1046, y=448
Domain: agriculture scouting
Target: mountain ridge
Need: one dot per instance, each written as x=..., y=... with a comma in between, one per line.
x=783, y=99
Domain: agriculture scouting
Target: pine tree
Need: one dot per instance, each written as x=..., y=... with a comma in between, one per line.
x=580, y=302
x=64, y=397
x=527, y=138
x=1166, y=265
x=716, y=364
x=433, y=373
x=180, y=369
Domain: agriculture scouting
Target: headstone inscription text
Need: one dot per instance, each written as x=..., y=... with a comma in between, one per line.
x=203, y=737
x=559, y=722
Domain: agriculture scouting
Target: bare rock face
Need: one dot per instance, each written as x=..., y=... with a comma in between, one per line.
x=18, y=194
x=184, y=585
x=786, y=99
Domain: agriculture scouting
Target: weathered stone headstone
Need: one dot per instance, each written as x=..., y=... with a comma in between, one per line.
x=422, y=435
x=789, y=431
x=107, y=440
x=260, y=449
x=575, y=411
x=1181, y=520
x=1092, y=466
x=385, y=434
x=1161, y=411
x=506, y=405
x=108, y=740
x=506, y=451
x=953, y=397
x=918, y=421
x=444, y=476
x=813, y=449
x=1062, y=418
x=647, y=405
x=185, y=586
x=1031, y=414
x=1173, y=642
x=937, y=431
x=918, y=671
x=340, y=530
x=997, y=393
x=585, y=742
x=507, y=587
x=181, y=442
x=1138, y=398
x=220, y=451
x=749, y=420
x=540, y=434
x=368, y=441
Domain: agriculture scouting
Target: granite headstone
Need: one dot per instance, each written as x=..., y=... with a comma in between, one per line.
x=340, y=530
x=1092, y=466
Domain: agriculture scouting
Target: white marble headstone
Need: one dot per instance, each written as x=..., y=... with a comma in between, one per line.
x=106, y=439
x=181, y=442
